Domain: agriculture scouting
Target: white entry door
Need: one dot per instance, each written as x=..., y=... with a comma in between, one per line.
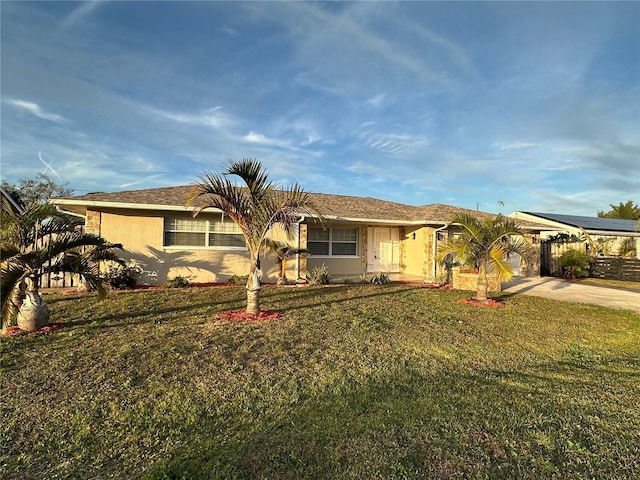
x=383, y=249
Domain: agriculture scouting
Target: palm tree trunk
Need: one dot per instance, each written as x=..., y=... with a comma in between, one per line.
x=282, y=279
x=253, y=292
x=483, y=284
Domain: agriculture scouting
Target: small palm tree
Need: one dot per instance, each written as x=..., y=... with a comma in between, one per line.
x=256, y=207
x=37, y=240
x=283, y=251
x=485, y=244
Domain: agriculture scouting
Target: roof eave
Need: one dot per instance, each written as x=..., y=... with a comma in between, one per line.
x=69, y=203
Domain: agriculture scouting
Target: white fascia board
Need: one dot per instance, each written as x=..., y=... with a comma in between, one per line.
x=544, y=221
x=335, y=218
x=611, y=233
x=129, y=206
x=176, y=208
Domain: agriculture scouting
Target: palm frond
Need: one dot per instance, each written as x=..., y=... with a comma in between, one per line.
x=471, y=225
x=254, y=176
x=11, y=275
x=499, y=264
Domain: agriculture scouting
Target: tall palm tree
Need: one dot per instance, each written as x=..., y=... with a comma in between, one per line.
x=485, y=244
x=37, y=240
x=256, y=206
x=283, y=251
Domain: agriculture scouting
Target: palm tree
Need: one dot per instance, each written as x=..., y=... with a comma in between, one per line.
x=485, y=244
x=37, y=240
x=256, y=206
x=283, y=251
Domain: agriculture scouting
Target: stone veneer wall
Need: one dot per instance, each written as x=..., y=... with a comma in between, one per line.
x=302, y=270
x=469, y=281
x=92, y=222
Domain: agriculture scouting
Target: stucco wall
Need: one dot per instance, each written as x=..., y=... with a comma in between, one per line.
x=413, y=261
x=142, y=238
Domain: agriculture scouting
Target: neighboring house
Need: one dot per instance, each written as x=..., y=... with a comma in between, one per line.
x=361, y=236
x=598, y=236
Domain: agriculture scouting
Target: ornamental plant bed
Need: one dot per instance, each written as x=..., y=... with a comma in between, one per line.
x=16, y=331
x=488, y=304
x=244, y=316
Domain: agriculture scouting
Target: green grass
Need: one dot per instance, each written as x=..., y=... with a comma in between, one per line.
x=354, y=382
x=601, y=282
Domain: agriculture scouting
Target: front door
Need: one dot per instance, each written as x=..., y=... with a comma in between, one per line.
x=383, y=247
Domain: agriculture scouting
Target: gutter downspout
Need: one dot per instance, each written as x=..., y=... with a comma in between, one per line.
x=302, y=219
x=435, y=249
x=67, y=212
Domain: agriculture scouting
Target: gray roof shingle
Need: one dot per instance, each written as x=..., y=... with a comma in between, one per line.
x=338, y=206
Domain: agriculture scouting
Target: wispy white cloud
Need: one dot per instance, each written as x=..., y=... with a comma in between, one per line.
x=516, y=145
x=212, y=118
x=36, y=110
x=394, y=143
x=140, y=181
x=47, y=165
x=377, y=100
x=230, y=31
x=80, y=13
x=258, y=138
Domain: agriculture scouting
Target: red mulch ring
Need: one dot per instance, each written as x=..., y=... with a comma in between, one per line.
x=488, y=304
x=243, y=316
x=16, y=331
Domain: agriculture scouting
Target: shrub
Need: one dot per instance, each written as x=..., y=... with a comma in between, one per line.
x=238, y=279
x=575, y=263
x=319, y=275
x=177, y=282
x=122, y=277
x=380, y=279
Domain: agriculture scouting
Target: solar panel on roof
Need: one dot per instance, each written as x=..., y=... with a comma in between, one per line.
x=590, y=223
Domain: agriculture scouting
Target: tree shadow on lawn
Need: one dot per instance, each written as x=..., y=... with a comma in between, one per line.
x=324, y=295
x=493, y=424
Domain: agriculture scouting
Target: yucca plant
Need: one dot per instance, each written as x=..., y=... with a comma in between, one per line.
x=35, y=241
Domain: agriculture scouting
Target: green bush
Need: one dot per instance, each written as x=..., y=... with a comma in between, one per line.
x=238, y=279
x=575, y=264
x=177, y=282
x=122, y=277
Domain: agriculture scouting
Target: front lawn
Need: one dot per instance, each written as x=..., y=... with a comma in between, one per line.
x=353, y=382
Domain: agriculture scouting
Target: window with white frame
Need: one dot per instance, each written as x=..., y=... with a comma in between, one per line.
x=333, y=241
x=200, y=232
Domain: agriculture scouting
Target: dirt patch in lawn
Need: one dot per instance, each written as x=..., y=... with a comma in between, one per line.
x=244, y=316
x=488, y=304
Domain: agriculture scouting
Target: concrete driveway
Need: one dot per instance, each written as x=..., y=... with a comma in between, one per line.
x=560, y=289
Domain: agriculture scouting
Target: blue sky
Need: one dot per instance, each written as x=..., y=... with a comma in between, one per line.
x=509, y=105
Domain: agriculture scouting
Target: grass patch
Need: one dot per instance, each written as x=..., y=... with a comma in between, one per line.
x=352, y=382
x=602, y=282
